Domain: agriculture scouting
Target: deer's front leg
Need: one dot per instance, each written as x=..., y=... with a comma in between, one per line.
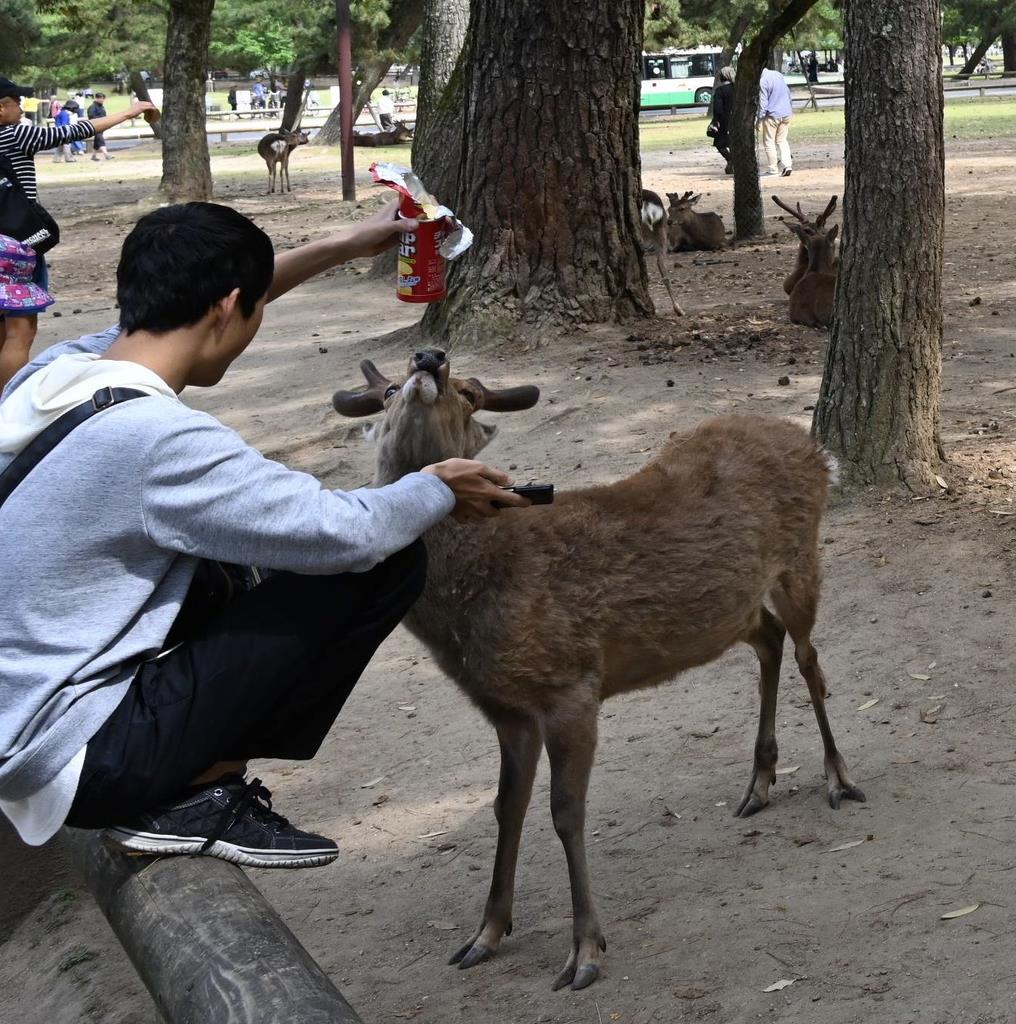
x=571, y=744
x=520, y=751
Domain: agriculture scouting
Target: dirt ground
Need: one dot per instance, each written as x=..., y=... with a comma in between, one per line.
x=702, y=911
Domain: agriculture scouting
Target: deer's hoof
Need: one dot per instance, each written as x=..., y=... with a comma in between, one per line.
x=751, y=804
x=471, y=954
x=838, y=793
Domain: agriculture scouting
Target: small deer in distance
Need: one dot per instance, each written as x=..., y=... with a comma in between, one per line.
x=274, y=148
x=801, y=266
x=398, y=136
x=691, y=231
x=654, y=232
x=541, y=614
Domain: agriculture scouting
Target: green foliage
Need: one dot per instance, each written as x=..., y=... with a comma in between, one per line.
x=19, y=31
x=248, y=34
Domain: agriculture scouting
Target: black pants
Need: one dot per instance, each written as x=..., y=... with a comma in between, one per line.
x=266, y=678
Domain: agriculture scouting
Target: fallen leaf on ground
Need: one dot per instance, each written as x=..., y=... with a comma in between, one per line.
x=868, y=704
x=941, y=483
x=372, y=783
x=433, y=835
x=845, y=846
x=443, y=926
x=789, y=770
x=690, y=992
x=930, y=717
x=962, y=912
x=412, y=707
x=919, y=675
x=779, y=986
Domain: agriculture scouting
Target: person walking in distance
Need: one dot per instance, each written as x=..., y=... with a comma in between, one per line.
x=386, y=111
x=774, y=112
x=723, y=105
x=97, y=108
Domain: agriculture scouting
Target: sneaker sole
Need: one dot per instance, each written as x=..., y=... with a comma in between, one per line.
x=163, y=846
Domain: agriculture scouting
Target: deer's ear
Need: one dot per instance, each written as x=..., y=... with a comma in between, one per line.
x=833, y=232
x=478, y=436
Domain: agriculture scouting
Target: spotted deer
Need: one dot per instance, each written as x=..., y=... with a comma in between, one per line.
x=274, y=148
x=654, y=232
x=541, y=614
x=801, y=264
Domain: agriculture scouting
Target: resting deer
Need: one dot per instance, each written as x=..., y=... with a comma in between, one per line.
x=811, y=301
x=399, y=135
x=801, y=266
x=691, y=231
x=654, y=232
x=274, y=149
x=540, y=614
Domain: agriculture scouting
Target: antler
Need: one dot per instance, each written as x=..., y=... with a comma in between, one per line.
x=824, y=215
x=798, y=213
x=506, y=399
x=368, y=401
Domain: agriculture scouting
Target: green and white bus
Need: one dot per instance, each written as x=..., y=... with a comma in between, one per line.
x=679, y=78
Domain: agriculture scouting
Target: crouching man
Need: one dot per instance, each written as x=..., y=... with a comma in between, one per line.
x=130, y=700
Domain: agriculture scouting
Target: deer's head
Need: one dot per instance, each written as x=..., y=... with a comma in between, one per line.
x=819, y=243
x=402, y=132
x=295, y=138
x=429, y=415
x=681, y=205
x=799, y=215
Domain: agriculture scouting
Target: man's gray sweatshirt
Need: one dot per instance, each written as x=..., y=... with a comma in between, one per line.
x=99, y=544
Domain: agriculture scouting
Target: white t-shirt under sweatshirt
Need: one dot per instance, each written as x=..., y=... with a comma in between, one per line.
x=99, y=543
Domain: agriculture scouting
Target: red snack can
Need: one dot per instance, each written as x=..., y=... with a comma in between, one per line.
x=421, y=268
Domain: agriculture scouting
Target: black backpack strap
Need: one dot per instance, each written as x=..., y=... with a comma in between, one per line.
x=40, y=446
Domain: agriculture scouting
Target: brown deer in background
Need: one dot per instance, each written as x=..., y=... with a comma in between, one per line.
x=811, y=301
x=692, y=231
x=654, y=232
x=398, y=136
x=801, y=266
x=274, y=148
x=541, y=614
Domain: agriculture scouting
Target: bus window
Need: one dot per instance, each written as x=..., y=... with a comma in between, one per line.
x=656, y=67
x=703, y=65
x=678, y=67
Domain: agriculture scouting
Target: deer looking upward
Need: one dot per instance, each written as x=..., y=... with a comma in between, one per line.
x=274, y=148
x=541, y=614
x=801, y=266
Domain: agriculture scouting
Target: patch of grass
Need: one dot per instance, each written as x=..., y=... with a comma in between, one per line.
x=964, y=119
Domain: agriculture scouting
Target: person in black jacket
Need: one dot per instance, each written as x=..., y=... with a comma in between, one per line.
x=723, y=106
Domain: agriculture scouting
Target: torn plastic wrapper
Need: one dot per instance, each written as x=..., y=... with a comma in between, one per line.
x=417, y=202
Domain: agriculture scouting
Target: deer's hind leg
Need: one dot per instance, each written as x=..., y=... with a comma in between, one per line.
x=795, y=598
x=520, y=751
x=767, y=640
x=660, y=239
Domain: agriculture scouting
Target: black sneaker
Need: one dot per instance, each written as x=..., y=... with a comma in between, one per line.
x=787, y=172
x=232, y=819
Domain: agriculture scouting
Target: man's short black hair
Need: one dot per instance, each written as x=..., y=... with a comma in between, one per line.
x=180, y=260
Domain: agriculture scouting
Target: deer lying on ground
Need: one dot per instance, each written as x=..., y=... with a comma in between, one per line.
x=811, y=301
x=654, y=232
x=801, y=266
x=540, y=614
x=688, y=230
x=274, y=149
x=399, y=135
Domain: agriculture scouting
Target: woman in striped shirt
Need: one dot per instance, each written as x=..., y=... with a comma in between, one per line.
x=19, y=142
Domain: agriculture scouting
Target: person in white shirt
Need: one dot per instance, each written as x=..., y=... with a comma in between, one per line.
x=386, y=111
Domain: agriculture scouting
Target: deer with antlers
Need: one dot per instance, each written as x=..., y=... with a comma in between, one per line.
x=654, y=232
x=811, y=301
x=801, y=266
x=689, y=230
x=541, y=614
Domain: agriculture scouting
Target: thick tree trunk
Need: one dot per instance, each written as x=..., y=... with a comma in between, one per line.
x=551, y=175
x=404, y=17
x=975, y=58
x=1009, y=53
x=186, y=171
x=292, y=111
x=878, y=407
x=437, y=140
x=749, y=217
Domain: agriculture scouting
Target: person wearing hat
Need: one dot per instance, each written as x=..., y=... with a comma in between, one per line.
x=19, y=142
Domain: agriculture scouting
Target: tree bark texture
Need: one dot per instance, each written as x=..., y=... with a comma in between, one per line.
x=442, y=34
x=1009, y=53
x=550, y=171
x=878, y=409
x=404, y=19
x=186, y=171
x=749, y=217
x=292, y=110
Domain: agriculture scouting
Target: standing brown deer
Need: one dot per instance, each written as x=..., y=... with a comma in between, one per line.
x=541, y=614
x=801, y=266
x=811, y=301
x=689, y=230
x=654, y=232
x=274, y=149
